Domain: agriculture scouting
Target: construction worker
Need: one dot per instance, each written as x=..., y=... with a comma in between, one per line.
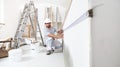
x=50, y=36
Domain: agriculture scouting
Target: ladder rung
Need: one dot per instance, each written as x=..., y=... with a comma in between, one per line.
x=20, y=31
x=21, y=24
x=24, y=23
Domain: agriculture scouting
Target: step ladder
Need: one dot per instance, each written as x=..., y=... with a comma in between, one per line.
x=38, y=28
x=29, y=13
x=21, y=27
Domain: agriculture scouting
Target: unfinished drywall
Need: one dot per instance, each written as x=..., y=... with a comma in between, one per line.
x=77, y=38
x=13, y=9
x=106, y=34
x=41, y=13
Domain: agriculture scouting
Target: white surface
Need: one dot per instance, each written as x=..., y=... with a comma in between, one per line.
x=15, y=55
x=35, y=47
x=35, y=60
x=106, y=34
x=1, y=11
x=77, y=38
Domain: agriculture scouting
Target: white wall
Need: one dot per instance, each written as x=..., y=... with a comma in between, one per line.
x=106, y=34
x=11, y=15
x=77, y=38
x=1, y=14
x=1, y=11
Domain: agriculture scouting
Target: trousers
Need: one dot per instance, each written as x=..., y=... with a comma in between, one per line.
x=50, y=45
x=53, y=44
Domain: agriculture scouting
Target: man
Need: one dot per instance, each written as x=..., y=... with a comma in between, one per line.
x=50, y=36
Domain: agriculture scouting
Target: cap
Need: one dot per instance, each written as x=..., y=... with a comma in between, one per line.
x=47, y=20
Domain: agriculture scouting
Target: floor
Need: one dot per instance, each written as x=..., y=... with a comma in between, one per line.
x=30, y=58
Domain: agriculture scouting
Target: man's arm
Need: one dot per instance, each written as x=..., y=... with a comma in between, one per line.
x=56, y=36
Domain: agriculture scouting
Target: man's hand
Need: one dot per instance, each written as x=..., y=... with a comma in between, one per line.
x=60, y=34
x=60, y=31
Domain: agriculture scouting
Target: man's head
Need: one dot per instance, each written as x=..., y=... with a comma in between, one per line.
x=47, y=23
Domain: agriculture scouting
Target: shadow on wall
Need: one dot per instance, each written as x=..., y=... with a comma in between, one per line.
x=67, y=58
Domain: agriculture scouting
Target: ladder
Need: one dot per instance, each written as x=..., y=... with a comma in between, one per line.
x=21, y=27
x=37, y=23
x=29, y=13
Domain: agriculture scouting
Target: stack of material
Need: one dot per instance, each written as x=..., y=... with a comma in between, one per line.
x=5, y=46
x=3, y=53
